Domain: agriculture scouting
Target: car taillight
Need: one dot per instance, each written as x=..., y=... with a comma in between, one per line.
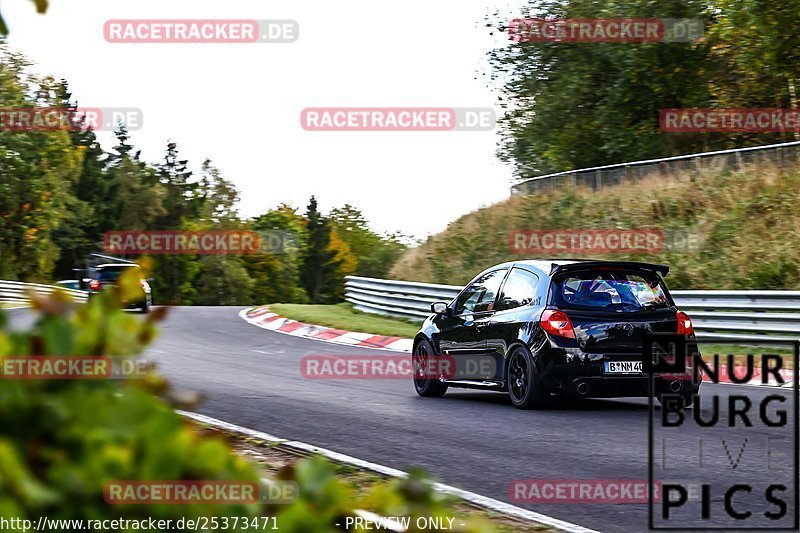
x=94, y=285
x=684, y=324
x=557, y=323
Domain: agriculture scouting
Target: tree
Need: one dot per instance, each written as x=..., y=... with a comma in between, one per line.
x=319, y=265
x=220, y=279
x=183, y=202
x=345, y=260
x=755, y=55
x=223, y=280
x=88, y=212
x=37, y=173
x=375, y=254
x=572, y=105
x=181, y=198
x=276, y=275
x=218, y=199
x=135, y=196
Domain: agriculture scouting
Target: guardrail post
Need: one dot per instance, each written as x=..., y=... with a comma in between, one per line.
x=598, y=180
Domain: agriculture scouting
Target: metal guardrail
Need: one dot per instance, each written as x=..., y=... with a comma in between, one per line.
x=610, y=175
x=729, y=315
x=16, y=292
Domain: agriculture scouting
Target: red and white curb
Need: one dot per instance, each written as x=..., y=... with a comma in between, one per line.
x=266, y=319
x=755, y=378
x=477, y=499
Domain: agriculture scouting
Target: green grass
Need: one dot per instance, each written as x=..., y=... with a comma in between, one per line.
x=745, y=224
x=740, y=353
x=343, y=316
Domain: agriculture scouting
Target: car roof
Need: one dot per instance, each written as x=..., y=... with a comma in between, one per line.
x=546, y=264
x=549, y=266
x=540, y=264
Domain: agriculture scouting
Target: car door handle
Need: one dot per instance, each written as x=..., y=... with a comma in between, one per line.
x=480, y=327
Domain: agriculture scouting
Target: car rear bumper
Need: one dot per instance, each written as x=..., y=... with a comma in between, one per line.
x=584, y=374
x=129, y=304
x=618, y=387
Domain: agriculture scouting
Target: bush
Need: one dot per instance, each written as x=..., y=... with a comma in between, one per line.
x=744, y=222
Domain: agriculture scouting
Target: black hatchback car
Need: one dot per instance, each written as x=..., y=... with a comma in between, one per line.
x=539, y=329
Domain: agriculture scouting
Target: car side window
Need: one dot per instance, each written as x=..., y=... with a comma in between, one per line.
x=519, y=290
x=481, y=294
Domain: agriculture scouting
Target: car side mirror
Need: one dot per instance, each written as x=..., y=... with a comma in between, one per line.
x=440, y=308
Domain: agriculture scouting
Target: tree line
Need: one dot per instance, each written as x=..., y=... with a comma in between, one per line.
x=60, y=191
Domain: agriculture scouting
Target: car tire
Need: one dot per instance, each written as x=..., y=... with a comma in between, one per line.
x=522, y=380
x=145, y=307
x=425, y=387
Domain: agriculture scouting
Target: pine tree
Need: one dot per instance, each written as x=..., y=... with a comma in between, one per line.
x=319, y=266
x=180, y=200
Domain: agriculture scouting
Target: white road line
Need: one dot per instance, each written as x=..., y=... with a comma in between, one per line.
x=203, y=419
x=477, y=499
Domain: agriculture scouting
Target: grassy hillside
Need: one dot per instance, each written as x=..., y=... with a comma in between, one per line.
x=749, y=223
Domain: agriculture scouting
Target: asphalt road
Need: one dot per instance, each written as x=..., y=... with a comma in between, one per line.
x=474, y=440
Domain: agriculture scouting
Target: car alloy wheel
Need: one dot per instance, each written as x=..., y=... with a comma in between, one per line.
x=518, y=376
x=425, y=384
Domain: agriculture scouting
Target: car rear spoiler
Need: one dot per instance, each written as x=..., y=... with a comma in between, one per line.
x=593, y=265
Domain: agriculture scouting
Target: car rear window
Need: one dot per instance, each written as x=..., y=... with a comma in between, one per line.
x=112, y=274
x=611, y=290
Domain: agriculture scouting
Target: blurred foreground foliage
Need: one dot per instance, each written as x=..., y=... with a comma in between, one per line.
x=61, y=441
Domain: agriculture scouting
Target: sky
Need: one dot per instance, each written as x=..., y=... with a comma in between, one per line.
x=240, y=104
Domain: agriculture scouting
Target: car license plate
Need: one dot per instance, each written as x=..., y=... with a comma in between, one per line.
x=623, y=367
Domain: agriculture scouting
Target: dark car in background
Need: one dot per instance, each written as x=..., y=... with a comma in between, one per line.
x=105, y=276
x=555, y=328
